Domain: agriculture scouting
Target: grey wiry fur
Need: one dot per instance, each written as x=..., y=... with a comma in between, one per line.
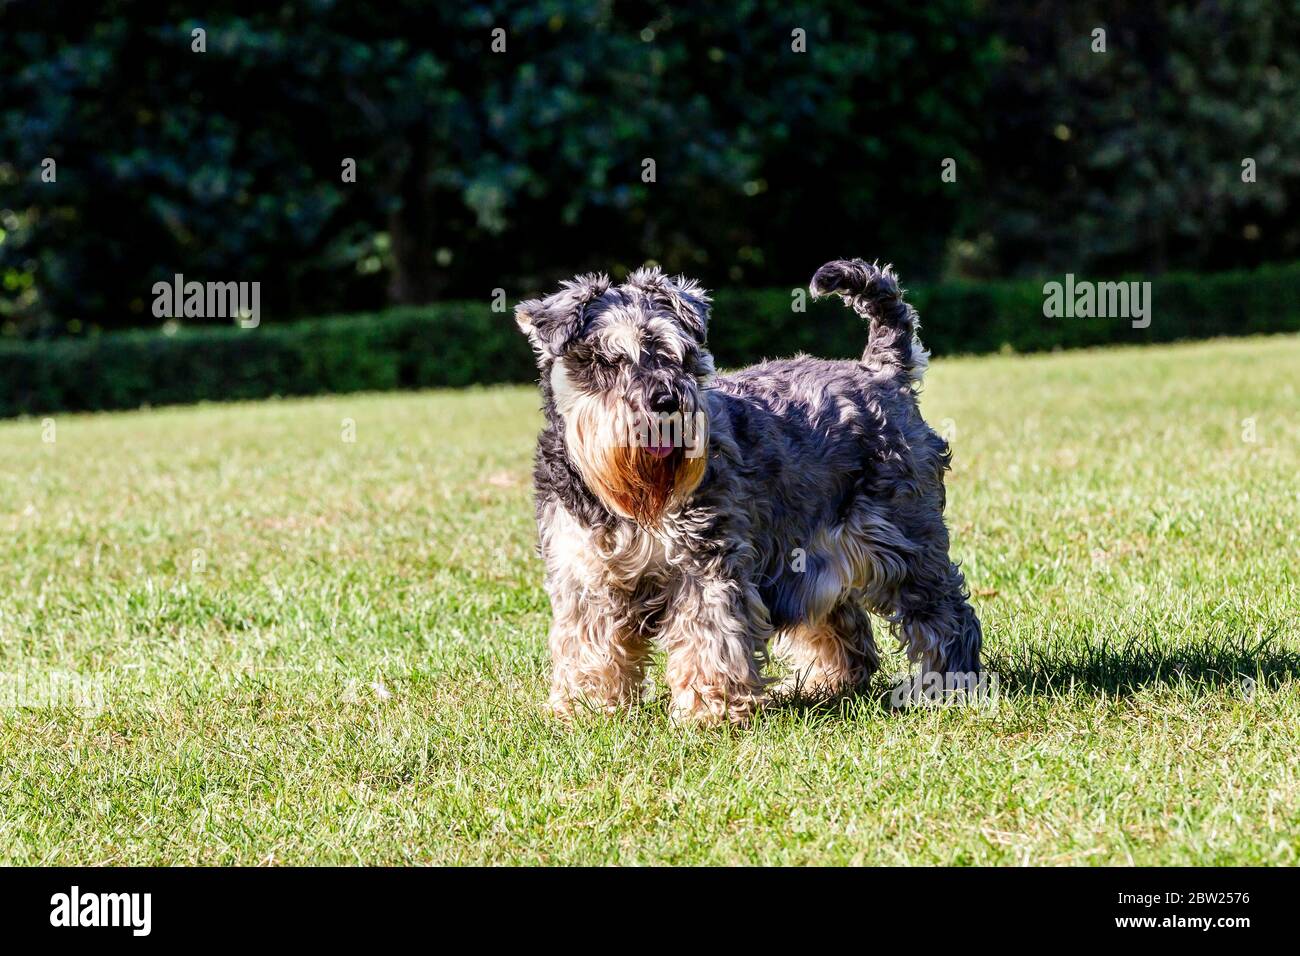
x=810, y=492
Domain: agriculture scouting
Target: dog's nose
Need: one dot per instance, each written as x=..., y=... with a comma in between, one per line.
x=663, y=400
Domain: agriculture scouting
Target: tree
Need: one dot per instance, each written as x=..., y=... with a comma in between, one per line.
x=1132, y=158
x=476, y=168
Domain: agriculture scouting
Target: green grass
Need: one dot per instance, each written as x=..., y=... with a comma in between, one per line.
x=318, y=651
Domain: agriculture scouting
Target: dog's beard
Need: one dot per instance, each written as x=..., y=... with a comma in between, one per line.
x=632, y=478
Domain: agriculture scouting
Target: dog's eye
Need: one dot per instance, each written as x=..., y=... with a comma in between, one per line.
x=582, y=356
x=602, y=369
x=593, y=369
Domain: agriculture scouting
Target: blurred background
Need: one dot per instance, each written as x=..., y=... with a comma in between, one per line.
x=481, y=170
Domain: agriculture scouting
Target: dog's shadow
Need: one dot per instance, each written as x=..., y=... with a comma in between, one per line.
x=1112, y=669
x=1126, y=668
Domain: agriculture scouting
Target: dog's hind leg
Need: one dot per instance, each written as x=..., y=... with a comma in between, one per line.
x=835, y=656
x=909, y=579
x=936, y=623
x=924, y=596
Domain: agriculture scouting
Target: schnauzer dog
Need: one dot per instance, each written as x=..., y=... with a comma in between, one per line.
x=726, y=515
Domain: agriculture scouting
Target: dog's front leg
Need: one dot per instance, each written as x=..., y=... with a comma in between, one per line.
x=715, y=634
x=597, y=659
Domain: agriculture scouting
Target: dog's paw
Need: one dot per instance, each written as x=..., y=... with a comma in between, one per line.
x=799, y=686
x=815, y=686
x=561, y=708
x=568, y=708
x=691, y=708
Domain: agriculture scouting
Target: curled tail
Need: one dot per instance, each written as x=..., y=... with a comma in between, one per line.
x=873, y=292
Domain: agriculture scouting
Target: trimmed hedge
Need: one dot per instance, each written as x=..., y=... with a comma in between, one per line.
x=976, y=317
x=447, y=345
x=462, y=343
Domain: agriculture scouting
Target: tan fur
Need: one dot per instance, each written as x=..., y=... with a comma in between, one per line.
x=825, y=659
x=628, y=479
x=598, y=653
x=712, y=674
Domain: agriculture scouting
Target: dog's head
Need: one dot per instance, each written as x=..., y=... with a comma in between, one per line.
x=623, y=367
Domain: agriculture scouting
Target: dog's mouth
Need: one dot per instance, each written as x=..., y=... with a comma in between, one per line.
x=637, y=471
x=658, y=438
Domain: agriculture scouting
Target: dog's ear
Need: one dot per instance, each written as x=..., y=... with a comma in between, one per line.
x=550, y=323
x=692, y=304
x=685, y=297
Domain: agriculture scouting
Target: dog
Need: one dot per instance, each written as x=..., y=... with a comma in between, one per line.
x=734, y=517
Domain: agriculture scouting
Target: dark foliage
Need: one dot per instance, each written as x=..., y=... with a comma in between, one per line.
x=476, y=170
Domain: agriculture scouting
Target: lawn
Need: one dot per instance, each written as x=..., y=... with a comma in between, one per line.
x=228, y=634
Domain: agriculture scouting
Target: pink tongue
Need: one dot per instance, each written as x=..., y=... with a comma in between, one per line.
x=660, y=451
